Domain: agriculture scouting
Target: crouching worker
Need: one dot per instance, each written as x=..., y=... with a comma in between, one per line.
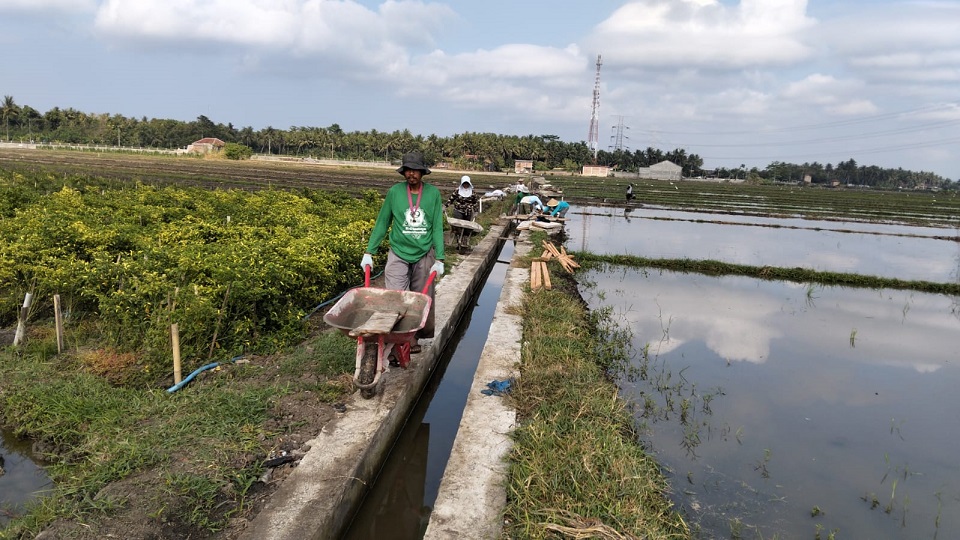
x=412, y=211
x=557, y=208
x=530, y=204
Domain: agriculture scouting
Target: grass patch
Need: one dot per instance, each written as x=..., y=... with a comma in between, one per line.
x=194, y=454
x=577, y=468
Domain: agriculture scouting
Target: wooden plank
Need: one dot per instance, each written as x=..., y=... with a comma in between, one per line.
x=381, y=322
x=545, y=276
x=566, y=261
x=535, y=278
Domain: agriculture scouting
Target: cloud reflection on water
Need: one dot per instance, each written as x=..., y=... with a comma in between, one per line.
x=845, y=388
x=604, y=230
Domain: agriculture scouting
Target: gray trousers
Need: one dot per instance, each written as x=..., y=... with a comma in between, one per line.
x=399, y=275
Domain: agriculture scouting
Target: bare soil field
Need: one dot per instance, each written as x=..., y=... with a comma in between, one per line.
x=212, y=173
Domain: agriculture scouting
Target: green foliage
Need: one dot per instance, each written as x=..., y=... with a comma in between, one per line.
x=237, y=151
x=235, y=270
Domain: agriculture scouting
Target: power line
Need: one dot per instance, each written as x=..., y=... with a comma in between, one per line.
x=837, y=123
x=874, y=134
x=843, y=152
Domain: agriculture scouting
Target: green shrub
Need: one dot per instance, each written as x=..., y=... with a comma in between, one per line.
x=237, y=151
x=236, y=270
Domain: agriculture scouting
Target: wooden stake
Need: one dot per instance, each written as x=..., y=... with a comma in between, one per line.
x=535, y=281
x=58, y=321
x=175, y=335
x=216, y=327
x=22, y=320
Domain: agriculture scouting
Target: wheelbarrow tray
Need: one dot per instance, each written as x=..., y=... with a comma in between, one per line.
x=464, y=224
x=372, y=312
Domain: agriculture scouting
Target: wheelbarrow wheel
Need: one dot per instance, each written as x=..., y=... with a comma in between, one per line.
x=368, y=370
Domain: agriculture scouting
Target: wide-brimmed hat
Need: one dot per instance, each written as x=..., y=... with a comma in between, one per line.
x=413, y=160
x=553, y=202
x=465, y=180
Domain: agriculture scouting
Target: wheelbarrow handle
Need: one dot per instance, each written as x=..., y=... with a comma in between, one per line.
x=430, y=279
x=366, y=279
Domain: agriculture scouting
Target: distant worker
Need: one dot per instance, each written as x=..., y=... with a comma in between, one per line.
x=629, y=192
x=557, y=208
x=465, y=203
x=521, y=192
x=530, y=203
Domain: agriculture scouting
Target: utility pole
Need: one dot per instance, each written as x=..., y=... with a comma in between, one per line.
x=593, y=138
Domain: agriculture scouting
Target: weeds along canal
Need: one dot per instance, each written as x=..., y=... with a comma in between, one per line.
x=399, y=503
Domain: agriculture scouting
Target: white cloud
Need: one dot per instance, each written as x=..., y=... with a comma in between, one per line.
x=899, y=41
x=704, y=33
x=841, y=97
x=342, y=32
x=47, y=5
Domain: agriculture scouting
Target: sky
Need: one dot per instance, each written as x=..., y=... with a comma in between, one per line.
x=745, y=82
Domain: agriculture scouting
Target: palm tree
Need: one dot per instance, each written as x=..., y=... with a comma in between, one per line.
x=8, y=110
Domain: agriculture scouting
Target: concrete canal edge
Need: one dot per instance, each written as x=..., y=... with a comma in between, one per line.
x=472, y=492
x=318, y=499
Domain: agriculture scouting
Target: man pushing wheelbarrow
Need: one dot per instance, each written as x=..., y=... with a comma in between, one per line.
x=412, y=212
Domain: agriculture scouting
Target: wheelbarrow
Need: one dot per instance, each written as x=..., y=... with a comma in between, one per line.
x=378, y=318
x=461, y=230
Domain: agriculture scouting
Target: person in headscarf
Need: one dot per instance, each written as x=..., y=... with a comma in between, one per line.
x=464, y=201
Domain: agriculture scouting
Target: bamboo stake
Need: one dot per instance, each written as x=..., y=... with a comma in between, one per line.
x=58, y=321
x=175, y=335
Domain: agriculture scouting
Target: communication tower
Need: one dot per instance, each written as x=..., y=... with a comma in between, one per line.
x=593, y=138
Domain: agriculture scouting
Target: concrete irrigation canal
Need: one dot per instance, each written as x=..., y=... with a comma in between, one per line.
x=321, y=498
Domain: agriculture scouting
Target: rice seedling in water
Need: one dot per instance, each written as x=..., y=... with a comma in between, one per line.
x=853, y=338
x=762, y=465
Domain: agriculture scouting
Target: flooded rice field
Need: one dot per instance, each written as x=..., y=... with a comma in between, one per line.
x=782, y=410
x=885, y=250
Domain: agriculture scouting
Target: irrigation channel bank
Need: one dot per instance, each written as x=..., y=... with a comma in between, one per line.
x=320, y=497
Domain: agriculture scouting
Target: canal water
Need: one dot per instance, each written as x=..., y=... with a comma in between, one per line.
x=787, y=410
x=399, y=504
x=22, y=479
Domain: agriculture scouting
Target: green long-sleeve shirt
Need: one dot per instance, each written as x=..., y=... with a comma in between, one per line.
x=411, y=236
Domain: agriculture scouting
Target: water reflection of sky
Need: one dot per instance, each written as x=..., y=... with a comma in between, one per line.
x=815, y=398
x=606, y=230
x=22, y=479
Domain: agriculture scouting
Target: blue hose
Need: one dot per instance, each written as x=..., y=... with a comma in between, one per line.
x=196, y=372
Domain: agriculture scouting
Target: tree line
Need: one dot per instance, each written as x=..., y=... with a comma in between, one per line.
x=468, y=150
